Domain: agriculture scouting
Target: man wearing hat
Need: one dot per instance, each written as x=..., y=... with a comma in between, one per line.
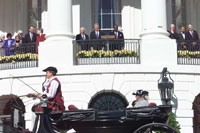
x=52, y=88
x=141, y=98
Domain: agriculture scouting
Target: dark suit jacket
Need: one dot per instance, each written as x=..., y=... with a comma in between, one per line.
x=188, y=36
x=28, y=39
x=173, y=35
x=93, y=35
x=180, y=38
x=120, y=35
x=79, y=37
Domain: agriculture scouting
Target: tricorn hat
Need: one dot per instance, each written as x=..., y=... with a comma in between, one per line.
x=51, y=69
x=141, y=93
x=138, y=93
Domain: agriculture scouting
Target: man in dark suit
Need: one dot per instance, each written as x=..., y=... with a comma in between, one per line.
x=30, y=39
x=81, y=39
x=96, y=35
x=181, y=39
x=117, y=44
x=172, y=32
x=193, y=37
x=31, y=36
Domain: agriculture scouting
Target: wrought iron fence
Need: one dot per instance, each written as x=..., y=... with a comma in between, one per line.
x=18, y=56
x=188, y=52
x=107, y=51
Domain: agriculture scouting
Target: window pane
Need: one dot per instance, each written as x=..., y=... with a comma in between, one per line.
x=106, y=21
x=116, y=6
x=107, y=13
x=106, y=6
x=117, y=19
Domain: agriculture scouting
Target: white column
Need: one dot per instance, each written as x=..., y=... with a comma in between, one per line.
x=57, y=50
x=157, y=49
x=59, y=19
x=154, y=23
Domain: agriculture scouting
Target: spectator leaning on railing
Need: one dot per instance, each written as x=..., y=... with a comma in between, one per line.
x=20, y=35
x=2, y=49
x=17, y=45
x=8, y=44
x=40, y=38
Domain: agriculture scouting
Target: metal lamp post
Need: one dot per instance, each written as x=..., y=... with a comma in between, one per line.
x=166, y=86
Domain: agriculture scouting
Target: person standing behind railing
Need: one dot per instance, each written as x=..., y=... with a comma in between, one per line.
x=40, y=38
x=172, y=32
x=192, y=36
x=20, y=35
x=81, y=39
x=17, y=44
x=8, y=44
x=30, y=39
x=181, y=40
x=96, y=35
x=2, y=49
x=118, y=44
x=31, y=36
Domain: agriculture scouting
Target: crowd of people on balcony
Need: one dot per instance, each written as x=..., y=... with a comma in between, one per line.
x=187, y=40
x=11, y=46
x=115, y=35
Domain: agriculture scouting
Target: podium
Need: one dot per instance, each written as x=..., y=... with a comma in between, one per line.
x=107, y=37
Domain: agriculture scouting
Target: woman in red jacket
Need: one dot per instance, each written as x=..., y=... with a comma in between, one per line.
x=40, y=38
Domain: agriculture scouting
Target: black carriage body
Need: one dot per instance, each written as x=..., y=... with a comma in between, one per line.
x=12, y=112
x=116, y=121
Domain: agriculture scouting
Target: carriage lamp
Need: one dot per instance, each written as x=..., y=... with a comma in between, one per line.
x=166, y=86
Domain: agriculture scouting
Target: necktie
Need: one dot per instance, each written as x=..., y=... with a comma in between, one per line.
x=97, y=34
x=116, y=36
x=83, y=36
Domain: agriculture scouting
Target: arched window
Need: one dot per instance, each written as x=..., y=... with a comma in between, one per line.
x=107, y=13
x=107, y=100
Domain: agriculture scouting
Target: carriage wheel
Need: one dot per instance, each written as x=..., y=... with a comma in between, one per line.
x=155, y=127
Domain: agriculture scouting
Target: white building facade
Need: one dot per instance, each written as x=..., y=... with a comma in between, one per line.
x=139, y=19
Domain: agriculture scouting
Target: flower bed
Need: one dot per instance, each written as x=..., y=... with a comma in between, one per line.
x=101, y=54
x=188, y=54
x=19, y=58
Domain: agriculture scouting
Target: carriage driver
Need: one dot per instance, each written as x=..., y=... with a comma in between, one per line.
x=141, y=98
x=52, y=88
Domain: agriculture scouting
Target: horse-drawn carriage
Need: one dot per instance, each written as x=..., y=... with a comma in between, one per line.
x=130, y=120
x=108, y=113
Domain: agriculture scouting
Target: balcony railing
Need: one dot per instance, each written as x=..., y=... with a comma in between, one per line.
x=93, y=52
x=22, y=56
x=188, y=52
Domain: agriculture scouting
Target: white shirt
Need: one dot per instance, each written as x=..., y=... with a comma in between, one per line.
x=141, y=103
x=9, y=43
x=52, y=89
x=183, y=34
x=191, y=32
x=31, y=35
